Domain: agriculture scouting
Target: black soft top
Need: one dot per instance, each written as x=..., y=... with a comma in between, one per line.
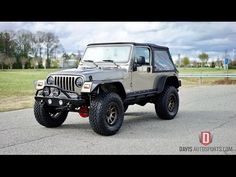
x=133, y=43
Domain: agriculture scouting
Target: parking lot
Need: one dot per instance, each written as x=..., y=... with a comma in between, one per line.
x=202, y=108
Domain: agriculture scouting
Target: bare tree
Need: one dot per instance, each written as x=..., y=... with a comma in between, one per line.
x=33, y=46
x=23, y=60
x=52, y=42
x=34, y=62
x=38, y=44
x=33, y=53
x=57, y=50
x=2, y=58
x=9, y=61
x=23, y=40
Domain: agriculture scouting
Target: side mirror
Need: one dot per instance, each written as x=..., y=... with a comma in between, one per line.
x=141, y=60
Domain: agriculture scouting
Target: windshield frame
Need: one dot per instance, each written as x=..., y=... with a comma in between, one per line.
x=110, y=45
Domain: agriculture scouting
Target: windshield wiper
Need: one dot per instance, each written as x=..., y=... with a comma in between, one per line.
x=111, y=61
x=90, y=61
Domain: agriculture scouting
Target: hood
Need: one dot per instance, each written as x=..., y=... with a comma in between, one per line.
x=111, y=73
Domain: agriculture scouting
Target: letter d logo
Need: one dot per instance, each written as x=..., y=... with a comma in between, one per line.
x=205, y=138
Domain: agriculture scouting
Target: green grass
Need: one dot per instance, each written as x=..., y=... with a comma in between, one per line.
x=20, y=82
x=17, y=87
x=205, y=70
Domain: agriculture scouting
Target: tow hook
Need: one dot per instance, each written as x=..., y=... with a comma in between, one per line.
x=84, y=111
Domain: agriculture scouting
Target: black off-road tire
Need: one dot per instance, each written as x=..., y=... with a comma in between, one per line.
x=43, y=115
x=164, y=108
x=99, y=111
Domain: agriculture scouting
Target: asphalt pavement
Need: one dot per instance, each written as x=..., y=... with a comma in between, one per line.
x=202, y=108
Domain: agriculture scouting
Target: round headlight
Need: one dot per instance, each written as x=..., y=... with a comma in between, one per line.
x=50, y=80
x=55, y=92
x=46, y=91
x=79, y=82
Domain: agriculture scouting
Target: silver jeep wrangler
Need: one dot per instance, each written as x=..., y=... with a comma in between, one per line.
x=109, y=78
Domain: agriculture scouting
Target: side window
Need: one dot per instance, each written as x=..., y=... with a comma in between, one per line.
x=162, y=61
x=142, y=52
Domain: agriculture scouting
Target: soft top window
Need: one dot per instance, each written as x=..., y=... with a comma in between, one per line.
x=162, y=61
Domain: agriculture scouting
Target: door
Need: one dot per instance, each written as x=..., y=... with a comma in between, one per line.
x=142, y=76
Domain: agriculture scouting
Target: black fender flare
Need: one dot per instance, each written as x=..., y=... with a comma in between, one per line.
x=160, y=83
x=120, y=88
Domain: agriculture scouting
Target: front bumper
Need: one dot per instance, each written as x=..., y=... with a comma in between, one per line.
x=64, y=99
x=56, y=101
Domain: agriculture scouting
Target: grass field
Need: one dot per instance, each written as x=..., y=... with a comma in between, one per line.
x=205, y=70
x=17, y=88
x=206, y=81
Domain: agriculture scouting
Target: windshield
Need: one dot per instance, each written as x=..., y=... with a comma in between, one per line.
x=114, y=53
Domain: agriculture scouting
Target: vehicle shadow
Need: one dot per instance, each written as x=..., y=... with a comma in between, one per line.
x=135, y=117
x=129, y=118
x=76, y=126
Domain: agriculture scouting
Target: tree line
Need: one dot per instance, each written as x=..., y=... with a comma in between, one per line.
x=24, y=49
x=185, y=61
x=204, y=57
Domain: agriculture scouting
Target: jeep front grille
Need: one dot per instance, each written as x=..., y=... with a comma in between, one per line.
x=65, y=82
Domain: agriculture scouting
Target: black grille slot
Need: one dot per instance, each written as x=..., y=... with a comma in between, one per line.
x=55, y=80
x=73, y=83
x=65, y=83
x=70, y=84
x=60, y=83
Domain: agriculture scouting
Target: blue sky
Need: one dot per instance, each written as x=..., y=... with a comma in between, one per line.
x=186, y=38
